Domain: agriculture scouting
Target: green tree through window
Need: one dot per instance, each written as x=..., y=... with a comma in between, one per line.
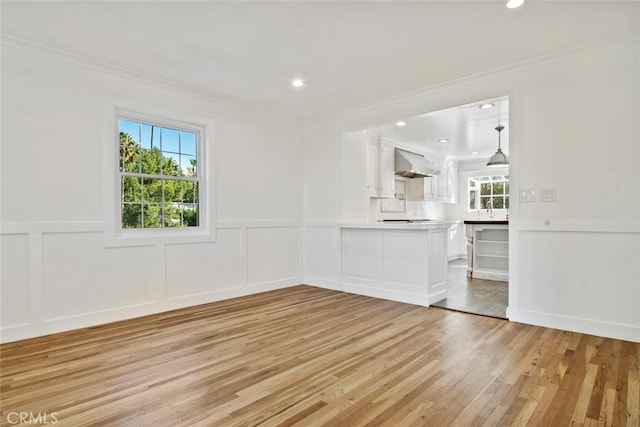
x=159, y=182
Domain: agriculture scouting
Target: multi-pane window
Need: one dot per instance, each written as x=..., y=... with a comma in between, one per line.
x=159, y=177
x=489, y=192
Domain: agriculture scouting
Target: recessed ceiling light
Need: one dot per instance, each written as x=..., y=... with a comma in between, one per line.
x=512, y=4
x=400, y=123
x=297, y=83
x=475, y=152
x=486, y=106
x=443, y=140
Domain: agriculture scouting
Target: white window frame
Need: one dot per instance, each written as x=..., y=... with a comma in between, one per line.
x=476, y=190
x=118, y=108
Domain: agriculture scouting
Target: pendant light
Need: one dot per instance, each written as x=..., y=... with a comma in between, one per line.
x=499, y=158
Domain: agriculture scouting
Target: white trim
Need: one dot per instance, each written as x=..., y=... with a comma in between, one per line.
x=352, y=113
x=321, y=224
x=391, y=295
x=323, y=283
x=98, y=226
x=51, y=227
x=113, y=109
x=67, y=323
x=580, y=226
x=126, y=73
x=367, y=114
x=36, y=279
x=577, y=324
x=259, y=224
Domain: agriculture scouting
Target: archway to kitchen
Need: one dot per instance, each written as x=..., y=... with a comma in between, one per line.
x=471, y=196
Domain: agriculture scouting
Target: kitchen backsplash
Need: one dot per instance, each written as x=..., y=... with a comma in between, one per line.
x=380, y=209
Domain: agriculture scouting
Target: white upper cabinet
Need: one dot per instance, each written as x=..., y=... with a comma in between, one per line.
x=387, y=171
x=441, y=188
x=451, y=191
x=381, y=178
x=419, y=189
x=427, y=188
x=380, y=168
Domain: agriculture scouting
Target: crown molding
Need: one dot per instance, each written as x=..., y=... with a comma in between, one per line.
x=344, y=115
x=130, y=74
x=364, y=110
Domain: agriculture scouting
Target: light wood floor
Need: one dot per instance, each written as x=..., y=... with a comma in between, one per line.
x=308, y=356
x=470, y=295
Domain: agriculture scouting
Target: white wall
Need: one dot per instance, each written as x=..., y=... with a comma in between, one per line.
x=57, y=273
x=571, y=261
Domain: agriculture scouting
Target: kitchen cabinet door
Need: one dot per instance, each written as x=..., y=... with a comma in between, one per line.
x=373, y=159
x=451, y=191
x=380, y=170
x=420, y=189
x=387, y=172
x=433, y=188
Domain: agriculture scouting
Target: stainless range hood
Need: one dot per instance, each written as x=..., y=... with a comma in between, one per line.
x=412, y=165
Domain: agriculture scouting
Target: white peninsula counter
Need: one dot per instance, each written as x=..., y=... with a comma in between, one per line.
x=405, y=262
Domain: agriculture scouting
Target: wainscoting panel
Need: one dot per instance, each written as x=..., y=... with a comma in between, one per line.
x=322, y=256
x=204, y=268
x=437, y=257
x=580, y=281
x=82, y=276
x=61, y=276
x=273, y=255
x=14, y=276
x=402, y=264
x=362, y=251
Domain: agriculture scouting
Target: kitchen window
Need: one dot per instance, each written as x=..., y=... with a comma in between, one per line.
x=156, y=175
x=488, y=192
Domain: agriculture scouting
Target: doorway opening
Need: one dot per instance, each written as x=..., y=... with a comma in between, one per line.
x=473, y=295
x=459, y=140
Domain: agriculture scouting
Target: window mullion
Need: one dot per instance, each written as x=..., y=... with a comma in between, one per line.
x=155, y=176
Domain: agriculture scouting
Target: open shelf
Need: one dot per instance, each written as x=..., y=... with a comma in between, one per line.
x=490, y=251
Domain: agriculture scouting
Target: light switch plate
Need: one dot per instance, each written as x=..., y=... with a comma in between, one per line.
x=527, y=195
x=547, y=194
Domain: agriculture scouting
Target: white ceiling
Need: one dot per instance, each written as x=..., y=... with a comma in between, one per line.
x=350, y=53
x=467, y=128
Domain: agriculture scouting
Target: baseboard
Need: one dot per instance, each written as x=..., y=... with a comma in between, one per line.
x=368, y=291
x=84, y=320
x=575, y=324
x=323, y=283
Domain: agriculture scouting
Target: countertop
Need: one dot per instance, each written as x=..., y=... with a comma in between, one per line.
x=431, y=225
x=486, y=221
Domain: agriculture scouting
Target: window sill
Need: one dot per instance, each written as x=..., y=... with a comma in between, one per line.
x=155, y=237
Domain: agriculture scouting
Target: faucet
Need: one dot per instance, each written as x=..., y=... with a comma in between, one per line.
x=490, y=210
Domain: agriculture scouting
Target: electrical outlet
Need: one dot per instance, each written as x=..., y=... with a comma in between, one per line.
x=527, y=195
x=547, y=194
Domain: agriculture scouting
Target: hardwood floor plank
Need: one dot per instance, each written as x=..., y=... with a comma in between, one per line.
x=633, y=394
x=580, y=410
x=312, y=357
